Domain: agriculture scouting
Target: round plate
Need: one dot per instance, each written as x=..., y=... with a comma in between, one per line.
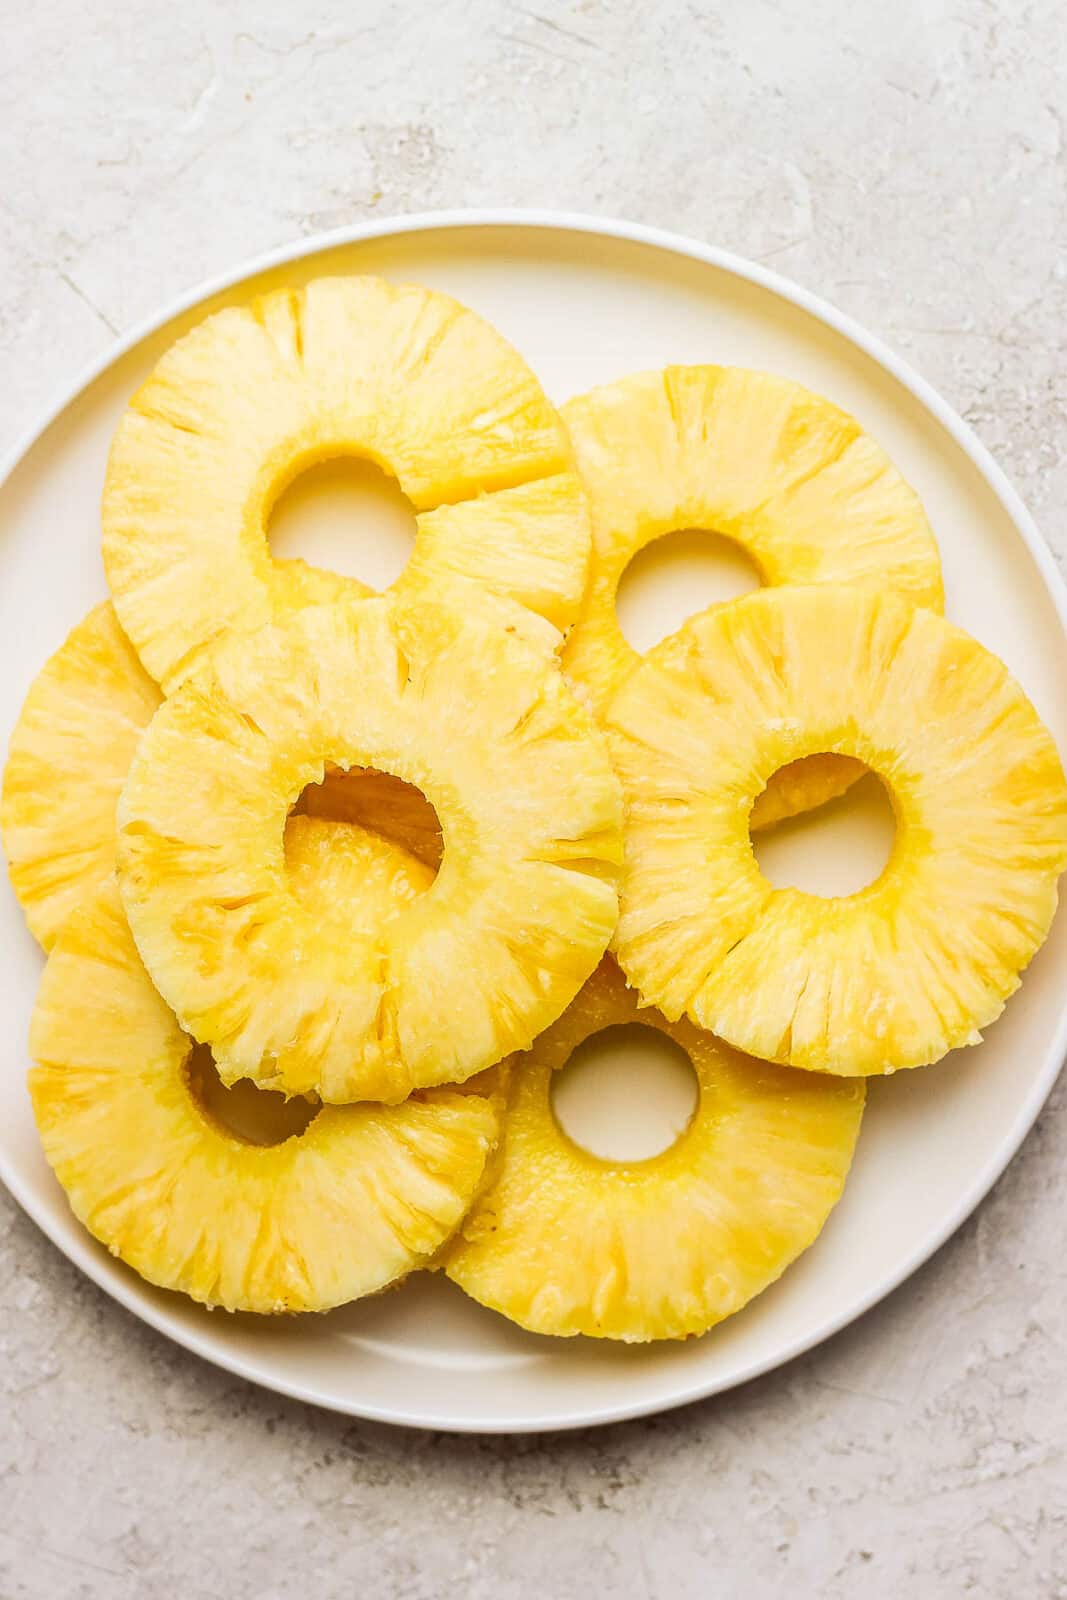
x=585, y=301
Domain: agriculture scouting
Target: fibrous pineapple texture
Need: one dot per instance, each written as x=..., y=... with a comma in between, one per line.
x=453, y=700
x=351, y=1204
x=351, y=877
x=919, y=961
x=566, y=1243
x=68, y=759
x=254, y=395
x=787, y=475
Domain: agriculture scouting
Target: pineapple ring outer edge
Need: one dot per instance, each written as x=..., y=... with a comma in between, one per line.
x=563, y=1242
x=918, y=962
x=742, y=453
x=68, y=757
x=347, y=1208
x=396, y=374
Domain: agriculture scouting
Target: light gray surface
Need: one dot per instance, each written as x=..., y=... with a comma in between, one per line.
x=908, y=162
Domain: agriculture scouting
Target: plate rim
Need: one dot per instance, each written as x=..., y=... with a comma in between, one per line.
x=132, y=1295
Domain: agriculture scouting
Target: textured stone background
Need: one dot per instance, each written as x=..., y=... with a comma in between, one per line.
x=908, y=162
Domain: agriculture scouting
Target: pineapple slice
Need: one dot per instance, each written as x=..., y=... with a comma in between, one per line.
x=360, y=1197
x=254, y=395
x=71, y=750
x=788, y=476
x=452, y=699
x=563, y=1242
x=914, y=964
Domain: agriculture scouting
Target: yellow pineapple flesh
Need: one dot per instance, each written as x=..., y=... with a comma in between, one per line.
x=256, y=394
x=565, y=1243
x=922, y=959
x=454, y=700
x=68, y=759
x=353, y=878
x=347, y=1206
x=788, y=476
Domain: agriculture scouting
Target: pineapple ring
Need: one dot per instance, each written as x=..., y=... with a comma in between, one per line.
x=71, y=750
x=563, y=1242
x=450, y=698
x=789, y=477
x=357, y=1200
x=256, y=394
x=916, y=963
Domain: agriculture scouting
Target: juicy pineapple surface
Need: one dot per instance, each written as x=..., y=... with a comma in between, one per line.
x=256, y=394
x=914, y=964
x=69, y=755
x=563, y=1242
x=359, y=1198
x=450, y=698
x=349, y=876
x=71, y=750
x=787, y=475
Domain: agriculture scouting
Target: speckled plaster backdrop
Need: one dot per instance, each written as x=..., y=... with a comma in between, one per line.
x=908, y=162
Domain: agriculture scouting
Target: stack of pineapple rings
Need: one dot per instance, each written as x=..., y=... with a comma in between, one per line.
x=328, y=879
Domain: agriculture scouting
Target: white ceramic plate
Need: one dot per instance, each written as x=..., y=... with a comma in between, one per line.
x=585, y=301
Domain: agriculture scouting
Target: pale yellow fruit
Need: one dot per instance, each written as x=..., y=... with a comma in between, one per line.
x=788, y=476
x=920, y=960
x=565, y=1243
x=256, y=394
x=452, y=699
x=359, y=1198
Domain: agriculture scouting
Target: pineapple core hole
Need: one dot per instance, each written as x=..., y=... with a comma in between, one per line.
x=255, y=1116
x=676, y=576
x=837, y=849
x=626, y=1094
x=382, y=804
x=347, y=516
